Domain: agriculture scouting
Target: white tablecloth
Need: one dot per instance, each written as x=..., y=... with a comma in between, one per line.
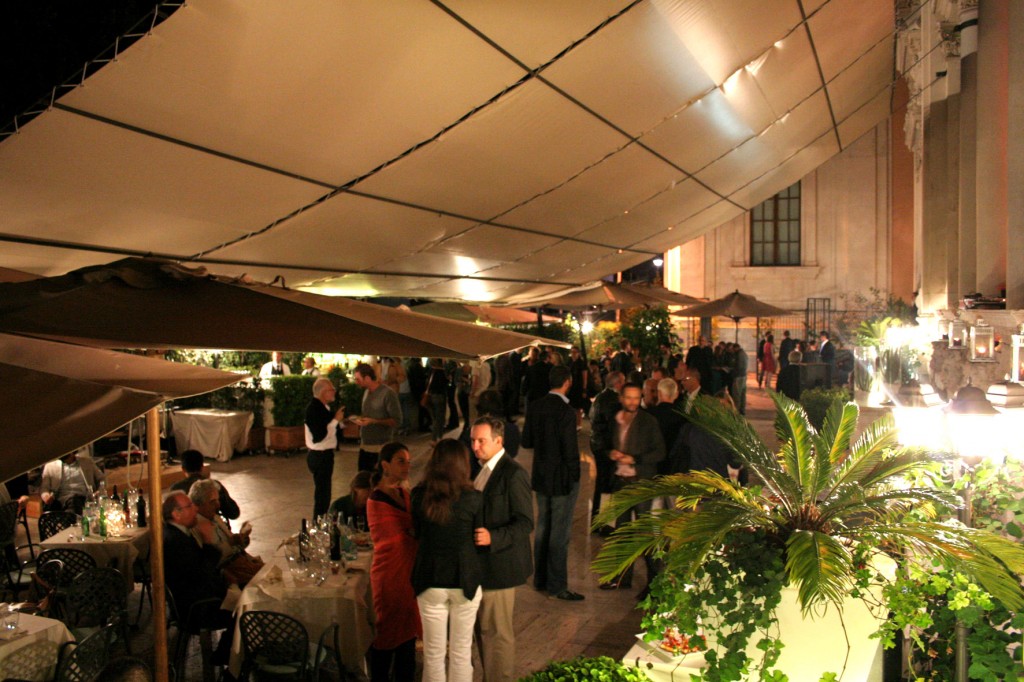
x=215, y=433
x=344, y=599
x=119, y=552
x=33, y=655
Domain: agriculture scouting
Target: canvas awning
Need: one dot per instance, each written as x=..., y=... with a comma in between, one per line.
x=481, y=313
x=147, y=303
x=470, y=151
x=57, y=397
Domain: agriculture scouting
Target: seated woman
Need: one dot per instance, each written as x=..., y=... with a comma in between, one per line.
x=353, y=505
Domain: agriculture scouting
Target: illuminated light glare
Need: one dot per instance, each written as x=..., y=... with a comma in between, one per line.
x=731, y=82
x=588, y=326
x=354, y=290
x=658, y=262
x=755, y=66
x=778, y=44
x=921, y=427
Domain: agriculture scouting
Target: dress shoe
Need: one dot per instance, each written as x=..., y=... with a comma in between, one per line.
x=568, y=595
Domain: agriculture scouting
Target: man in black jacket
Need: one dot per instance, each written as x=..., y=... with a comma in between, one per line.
x=638, y=449
x=194, y=466
x=551, y=431
x=602, y=415
x=191, y=572
x=321, y=440
x=505, y=539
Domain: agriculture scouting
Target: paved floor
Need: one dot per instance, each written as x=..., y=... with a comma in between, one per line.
x=275, y=493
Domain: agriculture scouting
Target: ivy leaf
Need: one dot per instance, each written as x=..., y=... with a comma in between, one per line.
x=1014, y=529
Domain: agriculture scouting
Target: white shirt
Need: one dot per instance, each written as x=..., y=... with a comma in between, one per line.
x=480, y=482
x=690, y=397
x=267, y=370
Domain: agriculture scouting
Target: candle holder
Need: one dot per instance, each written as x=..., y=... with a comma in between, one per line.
x=1017, y=368
x=958, y=336
x=983, y=339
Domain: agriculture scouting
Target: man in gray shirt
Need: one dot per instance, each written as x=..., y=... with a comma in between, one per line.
x=382, y=413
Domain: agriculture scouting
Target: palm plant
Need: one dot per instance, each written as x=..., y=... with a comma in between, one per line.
x=822, y=499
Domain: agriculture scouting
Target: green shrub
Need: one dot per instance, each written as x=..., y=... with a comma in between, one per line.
x=351, y=396
x=583, y=669
x=816, y=402
x=291, y=395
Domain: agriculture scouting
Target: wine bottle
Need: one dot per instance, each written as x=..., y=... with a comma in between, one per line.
x=140, y=519
x=335, y=542
x=303, y=540
x=115, y=497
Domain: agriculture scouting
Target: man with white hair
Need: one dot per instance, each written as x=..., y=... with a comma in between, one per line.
x=667, y=414
x=322, y=432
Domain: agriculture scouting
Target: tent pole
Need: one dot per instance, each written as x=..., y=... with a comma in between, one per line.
x=156, y=546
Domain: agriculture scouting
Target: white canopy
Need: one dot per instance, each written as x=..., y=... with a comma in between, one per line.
x=486, y=151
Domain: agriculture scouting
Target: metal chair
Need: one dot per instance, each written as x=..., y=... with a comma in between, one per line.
x=141, y=575
x=10, y=564
x=97, y=598
x=274, y=645
x=53, y=522
x=327, y=664
x=56, y=570
x=188, y=628
x=23, y=520
x=84, y=661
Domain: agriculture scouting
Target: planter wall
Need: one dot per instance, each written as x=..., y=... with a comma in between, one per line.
x=282, y=438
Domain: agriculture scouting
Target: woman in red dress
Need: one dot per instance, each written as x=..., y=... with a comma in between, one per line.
x=393, y=652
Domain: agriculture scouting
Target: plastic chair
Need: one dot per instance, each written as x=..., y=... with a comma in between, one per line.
x=53, y=522
x=98, y=598
x=274, y=644
x=83, y=661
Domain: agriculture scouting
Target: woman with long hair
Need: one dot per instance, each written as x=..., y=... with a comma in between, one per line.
x=446, y=578
x=388, y=511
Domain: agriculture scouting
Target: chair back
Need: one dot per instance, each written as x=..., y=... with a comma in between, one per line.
x=96, y=597
x=53, y=522
x=274, y=643
x=8, y=522
x=84, y=661
x=73, y=562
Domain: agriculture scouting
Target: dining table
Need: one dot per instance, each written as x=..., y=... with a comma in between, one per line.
x=213, y=432
x=343, y=598
x=30, y=651
x=118, y=552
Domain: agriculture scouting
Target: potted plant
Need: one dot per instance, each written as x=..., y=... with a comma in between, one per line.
x=586, y=669
x=826, y=509
x=291, y=395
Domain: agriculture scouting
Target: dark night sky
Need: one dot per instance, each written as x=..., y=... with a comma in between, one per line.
x=45, y=42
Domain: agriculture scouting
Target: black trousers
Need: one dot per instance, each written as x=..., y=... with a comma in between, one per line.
x=321, y=465
x=393, y=665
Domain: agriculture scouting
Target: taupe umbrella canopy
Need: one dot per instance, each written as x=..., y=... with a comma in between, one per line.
x=481, y=313
x=734, y=305
x=149, y=303
x=666, y=296
x=607, y=296
x=57, y=397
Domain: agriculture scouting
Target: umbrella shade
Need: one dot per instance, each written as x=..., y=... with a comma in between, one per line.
x=58, y=397
x=607, y=295
x=480, y=313
x=734, y=305
x=666, y=296
x=149, y=303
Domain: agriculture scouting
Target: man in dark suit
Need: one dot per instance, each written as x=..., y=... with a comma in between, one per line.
x=505, y=539
x=638, y=449
x=190, y=571
x=827, y=353
x=602, y=415
x=536, y=382
x=786, y=346
x=551, y=431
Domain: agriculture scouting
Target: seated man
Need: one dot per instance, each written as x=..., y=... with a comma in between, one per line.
x=191, y=572
x=69, y=481
x=353, y=505
x=196, y=470
x=236, y=564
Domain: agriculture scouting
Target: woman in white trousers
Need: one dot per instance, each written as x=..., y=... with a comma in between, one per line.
x=446, y=511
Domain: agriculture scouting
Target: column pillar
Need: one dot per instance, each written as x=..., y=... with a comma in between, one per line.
x=991, y=169
x=1015, y=161
x=968, y=32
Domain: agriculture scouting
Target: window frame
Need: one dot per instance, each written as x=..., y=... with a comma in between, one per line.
x=788, y=199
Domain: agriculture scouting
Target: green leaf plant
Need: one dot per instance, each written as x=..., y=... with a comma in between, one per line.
x=825, y=504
